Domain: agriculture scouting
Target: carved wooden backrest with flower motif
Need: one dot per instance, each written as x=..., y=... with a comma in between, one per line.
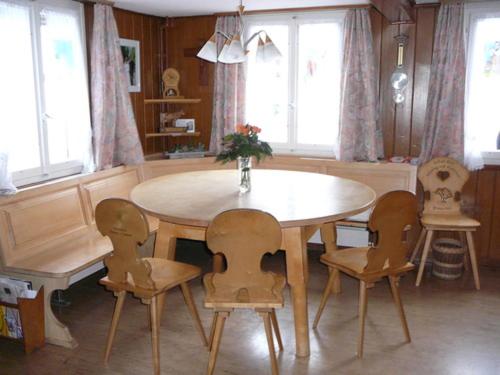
x=243, y=237
x=127, y=227
x=442, y=179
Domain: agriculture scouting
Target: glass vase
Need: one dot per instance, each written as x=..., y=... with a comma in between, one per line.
x=244, y=169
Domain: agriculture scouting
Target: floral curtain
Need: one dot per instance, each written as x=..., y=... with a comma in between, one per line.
x=229, y=89
x=444, y=119
x=115, y=136
x=360, y=137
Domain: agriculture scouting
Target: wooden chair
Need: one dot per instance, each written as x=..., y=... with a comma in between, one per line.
x=443, y=180
x=392, y=215
x=243, y=237
x=146, y=278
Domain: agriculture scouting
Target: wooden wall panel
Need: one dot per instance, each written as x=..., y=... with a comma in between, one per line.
x=185, y=37
x=148, y=31
x=402, y=125
x=493, y=249
x=387, y=66
x=485, y=189
x=423, y=57
x=403, y=119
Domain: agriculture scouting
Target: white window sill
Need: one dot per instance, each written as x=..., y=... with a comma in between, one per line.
x=491, y=157
x=303, y=152
x=27, y=178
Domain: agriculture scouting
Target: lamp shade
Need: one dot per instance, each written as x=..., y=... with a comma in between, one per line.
x=209, y=50
x=267, y=51
x=233, y=52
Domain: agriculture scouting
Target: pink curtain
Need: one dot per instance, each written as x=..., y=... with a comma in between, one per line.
x=229, y=89
x=444, y=119
x=360, y=138
x=115, y=136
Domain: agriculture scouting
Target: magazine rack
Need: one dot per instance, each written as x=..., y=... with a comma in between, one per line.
x=31, y=312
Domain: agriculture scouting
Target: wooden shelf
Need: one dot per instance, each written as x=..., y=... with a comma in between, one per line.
x=172, y=101
x=181, y=134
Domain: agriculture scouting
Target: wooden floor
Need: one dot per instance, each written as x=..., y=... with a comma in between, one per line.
x=455, y=330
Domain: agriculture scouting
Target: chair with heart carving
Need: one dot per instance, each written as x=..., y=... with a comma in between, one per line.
x=443, y=179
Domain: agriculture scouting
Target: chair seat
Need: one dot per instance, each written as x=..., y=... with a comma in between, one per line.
x=354, y=260
x=166, y=274
x=445, y=221
x=246, y=297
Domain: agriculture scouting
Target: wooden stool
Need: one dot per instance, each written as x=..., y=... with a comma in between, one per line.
x=443, y=180
x=146, y=278
x=243, y=237
x=393, y=214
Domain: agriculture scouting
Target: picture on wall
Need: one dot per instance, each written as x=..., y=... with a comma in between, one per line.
x=132, y=59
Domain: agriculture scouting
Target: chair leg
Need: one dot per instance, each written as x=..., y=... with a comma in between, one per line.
x=120, y=299
x=473, y=259
x=188, y=298
x=332, y=277
x=394, y=281
x=212, y=330
x=362, y=316
x=418, y=245
x=160, y=304
x=270, y=341
x=425, y=253
x=155, y=335
x=219, y=327
x=276, y=328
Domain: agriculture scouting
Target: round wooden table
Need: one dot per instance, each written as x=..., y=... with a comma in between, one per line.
x=302, y=202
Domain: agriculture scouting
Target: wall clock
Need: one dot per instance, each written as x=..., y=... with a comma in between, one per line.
x=171, y=78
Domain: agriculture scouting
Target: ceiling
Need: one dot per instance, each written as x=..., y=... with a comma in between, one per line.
x=177, y=8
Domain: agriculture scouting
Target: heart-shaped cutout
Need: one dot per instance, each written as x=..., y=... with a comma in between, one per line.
x=443, y=175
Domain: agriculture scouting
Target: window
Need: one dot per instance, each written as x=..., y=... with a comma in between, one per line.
x=482, y=115
x=44, y=115
x=296, y=100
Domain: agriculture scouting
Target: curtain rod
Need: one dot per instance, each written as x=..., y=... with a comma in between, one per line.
x=307, y=9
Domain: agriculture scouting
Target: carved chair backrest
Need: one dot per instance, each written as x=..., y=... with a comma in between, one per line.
x=442, y=180
x=393, y=213
x=127, y=227
x=243, y=237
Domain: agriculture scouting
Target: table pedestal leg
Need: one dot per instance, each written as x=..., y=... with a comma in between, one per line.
x=300, y=315
x=164, y=248
x=165, y=241
x=296, y=262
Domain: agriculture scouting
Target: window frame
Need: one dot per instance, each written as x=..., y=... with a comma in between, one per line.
x=293, y=20
x=46, y=170
x=473, y=13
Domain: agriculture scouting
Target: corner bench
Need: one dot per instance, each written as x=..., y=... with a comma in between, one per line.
x=48, y=234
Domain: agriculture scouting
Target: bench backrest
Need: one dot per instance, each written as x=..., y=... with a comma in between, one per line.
x=381, y=177
x=42, y=216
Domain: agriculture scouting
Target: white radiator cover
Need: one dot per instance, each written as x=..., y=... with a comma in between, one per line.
x=346, y=236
